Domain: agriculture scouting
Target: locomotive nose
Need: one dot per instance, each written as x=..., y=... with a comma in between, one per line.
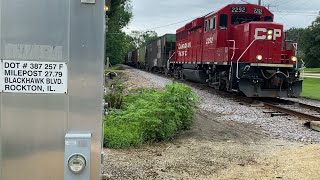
x=268, y=42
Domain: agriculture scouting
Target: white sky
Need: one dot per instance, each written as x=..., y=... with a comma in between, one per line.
x=150, y=14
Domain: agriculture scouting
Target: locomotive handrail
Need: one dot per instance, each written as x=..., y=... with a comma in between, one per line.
x=168, y=62
x=295, y=45
x=233, y=48
x=301, y=70
x=278, y=72
x=237, y=74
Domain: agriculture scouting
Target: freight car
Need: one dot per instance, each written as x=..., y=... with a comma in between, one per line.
x=158, y=52
x=134, y=57
x=154, y=55
x=237, y=48
x=142, y=57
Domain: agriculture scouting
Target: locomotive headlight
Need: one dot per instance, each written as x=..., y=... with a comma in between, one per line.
x=259, y=57
x=270, y=37
x=270, y=32
x=294, y=59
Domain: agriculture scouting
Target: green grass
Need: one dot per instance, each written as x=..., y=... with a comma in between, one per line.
x=116, y=68
x=312, y=70
x=148, y=115
x=311, y=88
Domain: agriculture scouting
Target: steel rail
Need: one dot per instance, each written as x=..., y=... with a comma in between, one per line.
x=305, y=116
x=315, y=108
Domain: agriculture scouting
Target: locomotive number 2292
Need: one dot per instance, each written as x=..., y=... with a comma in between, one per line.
x=238, y=9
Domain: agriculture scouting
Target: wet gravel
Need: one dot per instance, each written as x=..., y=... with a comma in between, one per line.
x=279, y=127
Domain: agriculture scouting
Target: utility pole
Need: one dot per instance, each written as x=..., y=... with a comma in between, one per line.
x=259, y=2
x=270, y=6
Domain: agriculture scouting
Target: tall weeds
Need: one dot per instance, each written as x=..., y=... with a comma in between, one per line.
x=150, y=115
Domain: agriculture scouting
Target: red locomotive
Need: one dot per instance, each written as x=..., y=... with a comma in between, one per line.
x=238, y=48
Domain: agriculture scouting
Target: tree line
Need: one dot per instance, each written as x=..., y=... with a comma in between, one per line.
x=118, y=42
x=308, y=40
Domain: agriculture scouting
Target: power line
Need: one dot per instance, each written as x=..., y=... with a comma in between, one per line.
x=296, y=13
x=167, y=25
x=284, y=2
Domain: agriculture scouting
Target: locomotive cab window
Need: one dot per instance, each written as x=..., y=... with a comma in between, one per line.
x=213, y=23
x=205, y=26
x=240, y=19
x=223, y=21
x=268, y=19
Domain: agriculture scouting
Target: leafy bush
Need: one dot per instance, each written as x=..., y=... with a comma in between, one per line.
x=114, y=98
x=150, y=115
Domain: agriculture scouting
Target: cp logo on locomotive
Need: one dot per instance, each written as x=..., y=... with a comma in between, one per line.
x=263, y=33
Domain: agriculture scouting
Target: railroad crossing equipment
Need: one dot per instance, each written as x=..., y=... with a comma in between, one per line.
x=51, y=79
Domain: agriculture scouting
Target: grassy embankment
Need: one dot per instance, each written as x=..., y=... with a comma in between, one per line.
x=312, y=70
x=311, y=88
x=146, y=115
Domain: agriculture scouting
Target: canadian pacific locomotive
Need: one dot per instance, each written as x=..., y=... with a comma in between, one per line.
x=237, y=48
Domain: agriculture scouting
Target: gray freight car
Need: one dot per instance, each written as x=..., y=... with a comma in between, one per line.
x=158, y=52
x=134, y=58
x=142, y=57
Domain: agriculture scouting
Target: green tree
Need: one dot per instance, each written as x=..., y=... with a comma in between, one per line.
x=311, y=44
x=295, y=34
x=117, y=42
x=138, y=38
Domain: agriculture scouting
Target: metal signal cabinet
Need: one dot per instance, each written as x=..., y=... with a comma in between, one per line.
x=33, y=126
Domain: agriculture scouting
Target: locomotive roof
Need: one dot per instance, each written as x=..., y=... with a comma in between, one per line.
x=227, y=7
x=224, y=9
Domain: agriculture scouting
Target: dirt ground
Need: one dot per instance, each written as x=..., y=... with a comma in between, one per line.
x=214, y=149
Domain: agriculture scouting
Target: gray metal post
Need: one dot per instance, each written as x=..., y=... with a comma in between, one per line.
x=51, y=87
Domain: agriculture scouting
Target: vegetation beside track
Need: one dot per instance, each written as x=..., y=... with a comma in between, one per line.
x=311, y=88
x=312, y=70
x=147, y=115
x=114, y=68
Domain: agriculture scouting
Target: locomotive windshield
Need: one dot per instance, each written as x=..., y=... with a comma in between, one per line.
x=240, y=19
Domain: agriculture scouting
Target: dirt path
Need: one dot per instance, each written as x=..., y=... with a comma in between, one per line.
x=215, y=149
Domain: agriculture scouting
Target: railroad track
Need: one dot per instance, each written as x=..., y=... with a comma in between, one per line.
x=304, y=111
x=279, y=107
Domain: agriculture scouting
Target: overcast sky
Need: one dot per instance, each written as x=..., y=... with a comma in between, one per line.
x=165, y=16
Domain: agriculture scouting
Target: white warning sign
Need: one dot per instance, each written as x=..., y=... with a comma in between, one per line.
x=33, y=77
